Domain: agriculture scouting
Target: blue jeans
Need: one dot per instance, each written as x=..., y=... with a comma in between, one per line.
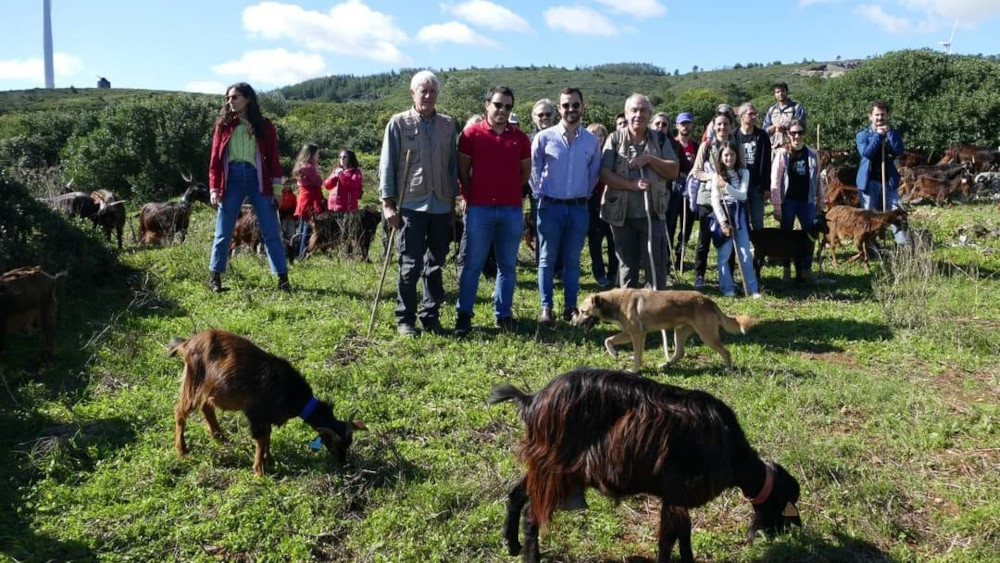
x=741, y=236
x=562, y=229
x=806, y=214
x=871, y=199
x=304, y=234
x=242, y=183
x=498, y=226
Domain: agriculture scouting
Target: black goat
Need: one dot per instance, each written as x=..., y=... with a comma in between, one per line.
x=626, y=435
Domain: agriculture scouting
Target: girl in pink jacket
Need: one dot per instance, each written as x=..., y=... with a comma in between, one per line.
x=344, y=184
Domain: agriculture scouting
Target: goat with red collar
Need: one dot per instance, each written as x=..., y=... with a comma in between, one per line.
x=226, y=371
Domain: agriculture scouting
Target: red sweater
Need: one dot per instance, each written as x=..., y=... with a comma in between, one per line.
x=345, y=189
x=268, y=164
x=310, y=201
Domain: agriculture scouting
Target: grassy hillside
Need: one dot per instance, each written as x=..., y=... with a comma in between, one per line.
x=884, y=405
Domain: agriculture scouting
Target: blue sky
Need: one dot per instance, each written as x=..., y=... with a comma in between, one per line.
x=202, y=45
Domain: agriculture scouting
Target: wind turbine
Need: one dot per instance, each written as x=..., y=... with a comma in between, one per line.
x=47, y=42
x=947, y=44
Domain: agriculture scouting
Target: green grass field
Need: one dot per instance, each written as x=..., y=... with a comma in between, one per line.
x=887, y=414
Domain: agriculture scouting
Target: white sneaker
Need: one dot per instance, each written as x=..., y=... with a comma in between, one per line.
x=756, y=296
x=729, y=294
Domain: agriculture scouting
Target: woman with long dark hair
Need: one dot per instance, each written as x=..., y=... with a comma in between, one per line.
x=244, y=164
x=310, y=198
x=344, y=183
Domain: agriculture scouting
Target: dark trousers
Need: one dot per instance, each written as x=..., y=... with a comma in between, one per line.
x=704, y=239
x=423, y=246
x=598, y=232
x=675, y=214
x=633, y=252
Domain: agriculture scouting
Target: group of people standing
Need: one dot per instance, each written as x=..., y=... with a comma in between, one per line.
x=639, y=189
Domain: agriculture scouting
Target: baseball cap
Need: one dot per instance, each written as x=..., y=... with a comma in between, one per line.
x=682, y=117
x=513, y=118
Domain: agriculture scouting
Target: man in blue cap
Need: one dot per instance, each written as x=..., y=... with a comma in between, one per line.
x=678, y=200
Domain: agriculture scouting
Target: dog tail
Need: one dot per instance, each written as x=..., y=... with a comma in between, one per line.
x=738, y=324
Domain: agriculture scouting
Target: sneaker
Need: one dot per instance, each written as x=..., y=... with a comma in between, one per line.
x=406, y=329
x=603, y=283
x=545, y=317
x=699, y=282
x=729, y=294
x=283, y=284
x=569, y=313
x=506, y=324
x=215, y=283
x=433, y=326
x=463, y=325
x=756, y=296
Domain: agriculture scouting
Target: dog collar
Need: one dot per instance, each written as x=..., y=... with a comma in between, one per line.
x=309, y=408
x=765, y=491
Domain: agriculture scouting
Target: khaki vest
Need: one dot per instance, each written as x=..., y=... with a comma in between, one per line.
x=428, y=171
x=614, y=203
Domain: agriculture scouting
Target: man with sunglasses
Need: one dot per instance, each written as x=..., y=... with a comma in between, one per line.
x=494, y=160
x=419, y=167
x=541, y=115
x=565, y=162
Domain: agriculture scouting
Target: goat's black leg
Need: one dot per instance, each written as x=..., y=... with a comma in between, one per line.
x=675, y=526
x=261, y=432
x=530, y=553
x=516, y=501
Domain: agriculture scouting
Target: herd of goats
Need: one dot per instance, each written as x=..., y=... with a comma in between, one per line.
x=589, y=428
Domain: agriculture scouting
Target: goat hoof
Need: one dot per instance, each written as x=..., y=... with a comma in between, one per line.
x=514, y=548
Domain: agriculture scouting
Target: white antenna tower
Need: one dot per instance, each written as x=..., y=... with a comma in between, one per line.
x=947, y=44
x=50, y=81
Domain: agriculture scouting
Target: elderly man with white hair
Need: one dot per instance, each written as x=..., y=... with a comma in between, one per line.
x=638, y=166
x=418, y=185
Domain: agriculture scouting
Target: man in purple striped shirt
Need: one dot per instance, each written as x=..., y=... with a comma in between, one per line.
x=565, y=163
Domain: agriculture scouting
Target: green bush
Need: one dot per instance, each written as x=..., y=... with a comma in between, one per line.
x=34, y=139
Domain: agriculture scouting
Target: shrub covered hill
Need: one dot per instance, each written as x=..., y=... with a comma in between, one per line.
x=134, y=141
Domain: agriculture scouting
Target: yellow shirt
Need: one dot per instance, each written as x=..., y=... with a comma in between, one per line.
x=242, y=146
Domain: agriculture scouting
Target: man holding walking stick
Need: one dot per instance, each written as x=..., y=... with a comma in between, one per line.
x=878, y=179
x=637, y=163
x=418, y=184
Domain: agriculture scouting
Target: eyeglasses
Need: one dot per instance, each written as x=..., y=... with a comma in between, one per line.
x=501, y=105
x=574, y=105
x=544, y=114
x=343, y=156
x=795, y=133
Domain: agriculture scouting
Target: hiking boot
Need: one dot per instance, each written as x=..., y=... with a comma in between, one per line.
x=463, y=325
x=569, y=313
x=545, y=318
x=283, y=284
x=406, y=329
x=506, y=324
x=215, y=282
x=699, y=282
x=433, y=326
x=603, y=283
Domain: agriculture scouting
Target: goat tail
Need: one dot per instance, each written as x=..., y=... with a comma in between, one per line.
x=508, y=392
x=174, y=346
x=739, y=324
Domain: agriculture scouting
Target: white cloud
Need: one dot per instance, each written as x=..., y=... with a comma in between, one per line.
x=804, y=3
x=875, y=14
x=487, y=14
x=580, y=21
x=966, y=11
x=273, y=66
x=205, y=87
x=351, y=28
x=34, y=69
x=452, y=32
x=636, y=8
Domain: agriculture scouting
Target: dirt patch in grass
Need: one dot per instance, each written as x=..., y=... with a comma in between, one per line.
x=348, y=351
x=837, y=358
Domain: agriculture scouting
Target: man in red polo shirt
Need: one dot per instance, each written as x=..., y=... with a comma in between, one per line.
x=494, y=160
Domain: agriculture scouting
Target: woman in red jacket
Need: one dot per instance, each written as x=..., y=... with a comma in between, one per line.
x=244, y=164
x=310, y=201
x=344, y=183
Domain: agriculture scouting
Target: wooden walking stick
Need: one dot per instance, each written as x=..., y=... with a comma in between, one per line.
x=652, y=262
x=680, y=235
x=388, y=250
x=884, y=180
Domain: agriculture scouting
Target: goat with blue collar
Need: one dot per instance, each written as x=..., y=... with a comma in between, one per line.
x=226, y=371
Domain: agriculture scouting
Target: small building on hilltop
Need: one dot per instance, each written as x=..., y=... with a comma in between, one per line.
x=103, y=82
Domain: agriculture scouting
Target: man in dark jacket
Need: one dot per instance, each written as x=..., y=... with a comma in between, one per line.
x=757, y=155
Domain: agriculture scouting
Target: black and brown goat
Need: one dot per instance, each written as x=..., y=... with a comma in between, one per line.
x=860, y=225
x=354, y=231
x=796, y=246
x=228, y=372
x=110, y=214
x=626, y=435
x=159, y=221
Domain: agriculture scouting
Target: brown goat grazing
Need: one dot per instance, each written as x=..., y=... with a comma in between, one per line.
x=840, y=188
x=980, y=159
x=110, y=214
x=247, y=231
x=914, y=157
x=159, y=221
x=860, y=225
x=776, y=244
x=355, y=231
x=226, y=371
x=28, y=299
x=626, y=435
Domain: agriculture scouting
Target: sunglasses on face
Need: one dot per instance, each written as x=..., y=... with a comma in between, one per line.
x=795, y=133
x=501, y=105
x=574, y=105
x=544, y=114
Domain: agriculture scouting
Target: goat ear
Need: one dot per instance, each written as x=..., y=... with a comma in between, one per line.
x=330, y=435
x=790, y=511
x=358, y=424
